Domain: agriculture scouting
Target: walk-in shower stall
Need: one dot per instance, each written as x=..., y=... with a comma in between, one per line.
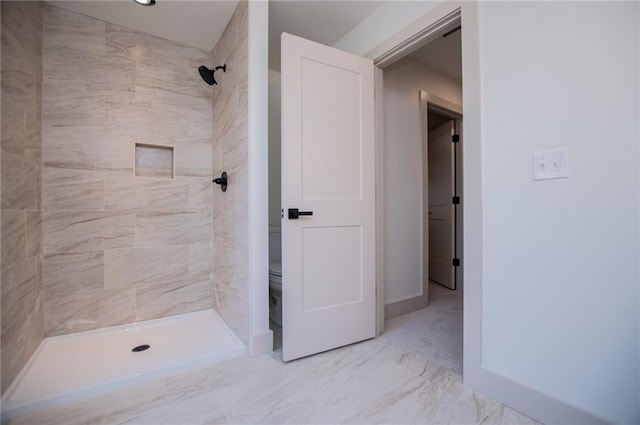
x=121, y=257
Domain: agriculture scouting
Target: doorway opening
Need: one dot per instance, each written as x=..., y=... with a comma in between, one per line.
x=422, y=184
x=398, y=194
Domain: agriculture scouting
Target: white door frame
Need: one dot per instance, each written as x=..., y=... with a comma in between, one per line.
x=260, y=336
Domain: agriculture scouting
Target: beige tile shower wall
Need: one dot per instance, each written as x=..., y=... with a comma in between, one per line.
x=21, y=224
x=230, y=209
x=120, y=248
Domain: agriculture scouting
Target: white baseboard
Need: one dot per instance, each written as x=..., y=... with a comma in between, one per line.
x=261, y=344
x=526, y=400
x=398, y=308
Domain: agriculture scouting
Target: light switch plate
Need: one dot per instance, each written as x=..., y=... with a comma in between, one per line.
x=551, y=164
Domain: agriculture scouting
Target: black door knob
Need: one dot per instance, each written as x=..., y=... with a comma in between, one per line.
x=294, y=213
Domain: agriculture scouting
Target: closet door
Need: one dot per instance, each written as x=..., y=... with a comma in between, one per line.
x=442, y=214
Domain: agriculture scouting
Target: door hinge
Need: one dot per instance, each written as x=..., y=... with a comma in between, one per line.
x=456, y=200
x=455, y=138
x=456, y=262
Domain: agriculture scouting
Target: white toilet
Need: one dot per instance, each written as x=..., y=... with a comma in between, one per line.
x=275, y=276
x=275, y=293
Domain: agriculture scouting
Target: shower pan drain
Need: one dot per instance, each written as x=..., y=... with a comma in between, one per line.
x=139, y=348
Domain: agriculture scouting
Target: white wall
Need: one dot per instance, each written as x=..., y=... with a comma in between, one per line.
x=560, y=284
x=402, y=158
x=383, y=23
x=274, y=148
x=261, y=341
x=552, y=297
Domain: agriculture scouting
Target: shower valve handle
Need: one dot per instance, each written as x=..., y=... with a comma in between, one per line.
x=222, y=181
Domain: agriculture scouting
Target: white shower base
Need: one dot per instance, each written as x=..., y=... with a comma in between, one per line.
x=69, y=367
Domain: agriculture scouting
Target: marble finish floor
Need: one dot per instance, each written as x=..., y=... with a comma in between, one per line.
x=382, y=380
x=435, y=331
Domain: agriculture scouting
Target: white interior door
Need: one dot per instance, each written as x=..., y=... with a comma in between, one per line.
x=441, y=207
x=328, y=258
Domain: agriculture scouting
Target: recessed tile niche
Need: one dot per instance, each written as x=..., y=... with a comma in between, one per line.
x=154, y=161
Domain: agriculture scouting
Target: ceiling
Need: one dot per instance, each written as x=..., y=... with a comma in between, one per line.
x=194, y=23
